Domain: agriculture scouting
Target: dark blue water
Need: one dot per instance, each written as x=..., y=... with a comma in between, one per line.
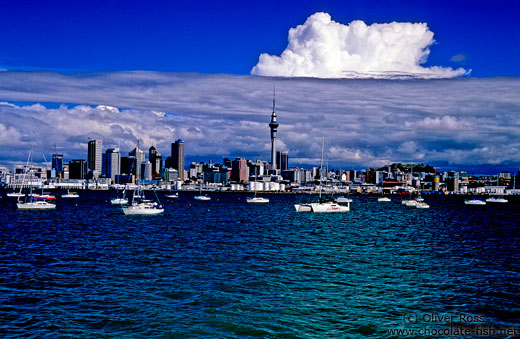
x=231, y=269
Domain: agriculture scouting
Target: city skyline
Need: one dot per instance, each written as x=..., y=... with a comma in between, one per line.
x=468, y=119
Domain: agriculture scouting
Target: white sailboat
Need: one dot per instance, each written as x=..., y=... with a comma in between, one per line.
x=120, y=201
x=383, y=198
x=323, y=205
x=474, y=202
x=497, y=200
x=31, y=202
x=142, y=206
x=172, y=196
x=255, y=199
x=201, y=197
x=70, y=195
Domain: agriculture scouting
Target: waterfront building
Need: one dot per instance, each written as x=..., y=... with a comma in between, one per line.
x=95, y=155
x=178, y=157
x=78, y=169
x=112, y=163
x=216, y=175
x=170, y=175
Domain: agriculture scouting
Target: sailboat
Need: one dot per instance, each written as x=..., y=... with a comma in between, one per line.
x=383, y=198
x=201, y=197
x=255, y=199
x=70, y=195
x=120, y=201
x=31, y=202
x=323, y=205
x=140, y=205
x=498, y=200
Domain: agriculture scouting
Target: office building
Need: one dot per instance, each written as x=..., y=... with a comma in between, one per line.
x=112, y=163
x=57, y=166
x=282, y=160
x=239, y=170
x=95, y=155
x=178, y=157
x=155, y=158
x=136, y=158
x=78, y=169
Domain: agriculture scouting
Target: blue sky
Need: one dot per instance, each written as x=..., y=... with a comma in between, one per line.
x=229, y=36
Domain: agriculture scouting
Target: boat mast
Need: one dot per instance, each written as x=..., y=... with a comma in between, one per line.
x=321, y=161
x=24, y=172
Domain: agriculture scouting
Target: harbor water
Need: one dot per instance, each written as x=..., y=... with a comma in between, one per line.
x=229, y=269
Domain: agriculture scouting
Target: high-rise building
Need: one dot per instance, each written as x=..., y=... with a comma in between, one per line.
x=78, y=169
x=95, y=156
x=57, y=165
x=282, y=160
x=178, y=157
x=146, y=170
x=112, y=163
x=155, y=159
x=138, y=159
x=273, y=125
x=239, y=170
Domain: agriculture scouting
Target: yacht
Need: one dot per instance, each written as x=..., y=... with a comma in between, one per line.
x=384, y=199
x=421, y=204
x=257, y=200
x=201, y=197
x=15, y=195
x=120, y=201
x=323, y=205
x=497, y=200
x=141, y=206
x=35, y=204
x=70, y=195
x=410, y=203
x=474, y=202
x=31, y=202
x=172, y=196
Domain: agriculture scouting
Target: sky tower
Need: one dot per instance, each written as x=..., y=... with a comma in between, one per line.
x=273, y=125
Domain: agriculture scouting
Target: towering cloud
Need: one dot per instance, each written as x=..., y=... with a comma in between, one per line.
x=327, y=49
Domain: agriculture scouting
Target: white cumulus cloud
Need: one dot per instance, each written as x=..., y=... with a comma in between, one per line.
x=324, y=48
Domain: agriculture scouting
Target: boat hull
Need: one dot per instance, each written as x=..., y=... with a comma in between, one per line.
x=257, y=200
x=35, y=206
x=142, y=210
x=322, y=208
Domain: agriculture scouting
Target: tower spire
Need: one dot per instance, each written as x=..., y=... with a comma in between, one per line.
x=273, y=125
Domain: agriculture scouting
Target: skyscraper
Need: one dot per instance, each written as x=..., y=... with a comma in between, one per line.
x=155, y=159
x=57, y=165
x=282, y=160
x=95, y=160
x=273, y=125
x=78, y=169
x=139, y=156
x=178, y=157
x=112, y=163
x=239, y=170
